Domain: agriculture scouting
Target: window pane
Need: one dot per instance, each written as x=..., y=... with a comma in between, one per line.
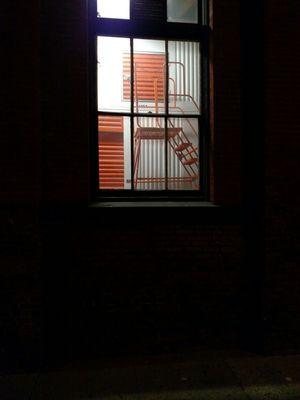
x=112, y=77
x=149, y=154
x=114, y=152
x=149, y=75
x=184, y=78
x=113, y=9
x=183, y=154
x=183, y=11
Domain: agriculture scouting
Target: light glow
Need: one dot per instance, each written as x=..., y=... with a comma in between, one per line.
x=183, y=11
x=113, y=9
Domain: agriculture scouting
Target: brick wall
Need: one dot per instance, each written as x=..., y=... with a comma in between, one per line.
x=226, y=140
x=282, y=86
x=147, y=281
x=21, y=311
x=128, y=269
x=76, y=282
x=65, y=101
x=20, y=189
x=20, y=144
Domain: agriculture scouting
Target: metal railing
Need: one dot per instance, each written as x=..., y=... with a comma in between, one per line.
x=183, y=157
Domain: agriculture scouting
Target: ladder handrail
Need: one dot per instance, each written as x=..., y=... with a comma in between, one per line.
x=175, y=94
x=183, y=74
x=184, y=94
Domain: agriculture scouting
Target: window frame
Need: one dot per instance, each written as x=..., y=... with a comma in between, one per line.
x=146, y=29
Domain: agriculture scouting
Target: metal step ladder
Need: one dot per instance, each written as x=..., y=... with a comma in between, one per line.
x=184, y=150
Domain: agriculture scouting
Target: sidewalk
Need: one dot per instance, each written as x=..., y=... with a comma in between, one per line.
x=195, y=376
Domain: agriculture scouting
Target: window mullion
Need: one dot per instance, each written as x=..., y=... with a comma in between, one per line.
x=205, y=111
x=167, y=112
x=131, y=113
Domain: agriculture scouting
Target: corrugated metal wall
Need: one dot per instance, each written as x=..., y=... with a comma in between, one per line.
x=188, y=54
x=152, y=156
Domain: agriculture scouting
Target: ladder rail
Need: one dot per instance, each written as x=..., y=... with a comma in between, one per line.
x=183, y=154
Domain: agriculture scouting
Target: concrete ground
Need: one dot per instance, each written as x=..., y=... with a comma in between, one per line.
x=194, y=376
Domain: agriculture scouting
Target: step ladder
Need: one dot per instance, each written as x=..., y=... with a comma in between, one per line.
x=185, y=151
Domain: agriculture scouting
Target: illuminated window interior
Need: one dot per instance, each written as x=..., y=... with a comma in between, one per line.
x=113, y=9
x=155, y=146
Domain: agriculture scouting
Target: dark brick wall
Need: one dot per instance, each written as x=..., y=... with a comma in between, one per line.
x=282, y=86
x=65, y=101
x=147, y=282
x=20, y=143
x=226, y=140
x=78, y=282
x=20, y=186
x=21, y=311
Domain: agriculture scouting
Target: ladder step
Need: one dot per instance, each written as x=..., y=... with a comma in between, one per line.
x=183, y=146
x=181, y=156
x=190, y=162
x=150, y=133
x=194, y=150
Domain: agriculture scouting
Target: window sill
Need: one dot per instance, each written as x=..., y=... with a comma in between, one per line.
x=153, y=204
x=194, y=210
x=152, y=211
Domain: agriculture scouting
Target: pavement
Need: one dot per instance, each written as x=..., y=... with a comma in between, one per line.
x=193, y=376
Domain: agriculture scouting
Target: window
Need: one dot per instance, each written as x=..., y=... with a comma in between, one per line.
x=113, y=9
x=149, y=97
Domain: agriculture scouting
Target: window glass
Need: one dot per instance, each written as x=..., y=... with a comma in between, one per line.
x=114, y=152
x=149, y=97
x=182, y=11
x=149, y=60
x=183, y=154
x=112, y=75
x=113, y=9
x=184, y=78
x=161, y=158
x=149, y=154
